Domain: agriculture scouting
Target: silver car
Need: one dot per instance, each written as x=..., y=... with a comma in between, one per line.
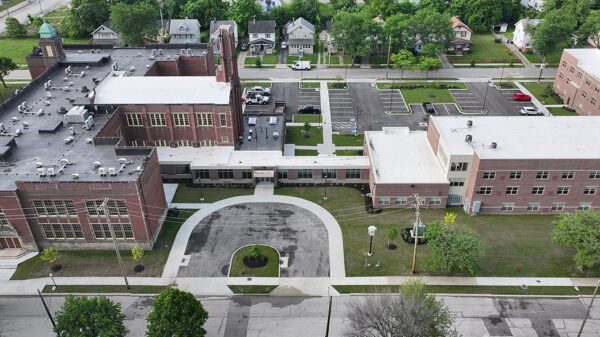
x=530, y=111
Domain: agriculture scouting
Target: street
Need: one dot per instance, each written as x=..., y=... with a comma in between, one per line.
x=30, y=7
x=244, y=316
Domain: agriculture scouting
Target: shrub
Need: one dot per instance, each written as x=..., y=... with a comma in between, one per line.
x=15, y=29
x=258, y=62
x=255, y=252
x=49, y=255
x=472, y=62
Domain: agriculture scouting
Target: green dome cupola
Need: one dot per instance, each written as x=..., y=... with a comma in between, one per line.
x=47, y=31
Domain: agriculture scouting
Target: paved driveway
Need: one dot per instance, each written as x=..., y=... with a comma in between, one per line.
x=294, y=231
x=481, y=96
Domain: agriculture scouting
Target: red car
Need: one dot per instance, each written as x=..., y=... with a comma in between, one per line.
x=521, y=97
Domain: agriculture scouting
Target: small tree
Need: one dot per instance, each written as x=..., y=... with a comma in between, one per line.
x=403, y=59
x=49, y=255
x=580, y=230
x=176, y=313
x=137, y=254
x=412, y=312
x=258, y=62
x=15, y=29
x=392, y=235
x=36, y=21
x=90, y=317
x=6, y=66
x=306, y=127
x=255, y=252
x=429, y=63
x=454, y=248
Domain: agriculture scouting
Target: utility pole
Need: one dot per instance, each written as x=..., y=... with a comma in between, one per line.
x=418, y=203
x=387, y=69
x=587, y=313
x=46, y=308
x=104, y=208
x=392, y=96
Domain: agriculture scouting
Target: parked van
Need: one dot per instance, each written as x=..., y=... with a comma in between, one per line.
x=301, y=65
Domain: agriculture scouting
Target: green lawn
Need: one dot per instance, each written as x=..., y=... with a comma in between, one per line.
x=299, y=118
x=552, y=59
x=251, y=290
x=310, y=85
x=510, y=30
x=427, y=95
x=104, y=262
x=271, y=58
x=421, y=85
x=348, y=152
x=186, y=193
x=307, y=153
x=337, y=85
x=8, y=4
x=296, y=135
x=17, y=49
x=333, y=59
x=6, y=93
x=562, y=112
x=515, y=245
x=349, y=140
x=239, y=269
x=540, y=91
x=251, y=60
x=485, y=50
x=110, y=289
x=493, y=290
x=313, y=58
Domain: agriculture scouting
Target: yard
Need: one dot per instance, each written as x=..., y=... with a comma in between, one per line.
x=298, y=118
x=310, y=85
x=552, y=59
x=6, y=93
x=515, y=245
x=313, y=58
x=562, y=112
x=18, y=49
x=349, y=140
x=104, y=262
x=485, y=50
x=306, y=153
x=265, y=59
x=419, y=92
x=187, y=194
x=297, y=135
x=378, y=59
x=510, y=30
x=543, y=92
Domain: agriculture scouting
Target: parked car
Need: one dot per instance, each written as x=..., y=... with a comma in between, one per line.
x=260, y=90
x=284, y=45
x=519, y=96
x=256, y=99
x=530, y=111
x=309, y=109
x=244, y=46
x=428, y=108
x=301, y=65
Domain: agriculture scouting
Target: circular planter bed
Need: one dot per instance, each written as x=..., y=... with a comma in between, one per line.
x=138, y=268
x=56, y=268
x=392, y=246
x=245, y=264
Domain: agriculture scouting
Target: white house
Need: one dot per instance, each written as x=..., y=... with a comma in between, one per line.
x=261, y=37
x=462, y=36
x=214, y=33
x=536, y=4
x=522, y=38
x=105, y=34
x=300, y=36
x=184, y=31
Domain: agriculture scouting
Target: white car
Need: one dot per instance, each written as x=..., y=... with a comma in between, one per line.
x=530, y=111
x=260, y=90
x=284, y=45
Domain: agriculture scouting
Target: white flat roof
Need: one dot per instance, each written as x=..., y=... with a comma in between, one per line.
x=162, y=90
x=521, y=137
x=401, y=156
x=589, y=60
x=226, y=157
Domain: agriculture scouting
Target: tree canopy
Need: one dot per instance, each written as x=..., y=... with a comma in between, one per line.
x=308, y=9
x=90, y=317
x=15, y=29
x=6, y=66
x=176, y=313
x=580, y=230
x=135, y=21
x=242, y=11
x=590, y=29
x=351, y=32
x=85, y=16
x=428, y=27
x=554, y=33
x=206, y=10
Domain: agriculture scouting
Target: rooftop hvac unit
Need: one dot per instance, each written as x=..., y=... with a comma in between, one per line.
x=64, y=161
x=469, y=123
x=48, y=95
x=494, y=145
x=102, y=171
x=51, y=172
x=97, y=164
x=38, y=164
x=112, y=171
x=25, y=125
x=468, y=138
x=77, y=115
x=18, y=132
x=272, y=120
x=252, y=121
x=41, y=172
x=89, y=140
x=476, y=206
x=115, y=66
x=75, y=175
x=40, y=112
x=69, y=139
x=15, y=119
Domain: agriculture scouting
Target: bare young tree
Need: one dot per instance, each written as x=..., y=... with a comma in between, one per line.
x=410, y=313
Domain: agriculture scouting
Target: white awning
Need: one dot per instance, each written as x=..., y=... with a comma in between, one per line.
x=264, y=174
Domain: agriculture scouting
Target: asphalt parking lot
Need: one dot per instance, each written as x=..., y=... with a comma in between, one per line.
x=295, y=232
x=481, y=96
x=343, y=110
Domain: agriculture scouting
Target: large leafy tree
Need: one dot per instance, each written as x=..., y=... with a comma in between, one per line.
x=6, y=66
x=458, y=8
x=308, y=9
x=85, y=16
x=15, y=29
x=176, y=313
x=482, y=14
x=428, y=27
x=174, y=8
x=206, y=10
x=454, y=247
x=406, y=7
x=351, y=31
x=590, y=29
x=403, y=59
x=580, y=230
x=395, y=28
x=135, y=21
x=437, y=5
x=554, y=33
x=382, y=8
x=242, y=11
x=344, y=5
x=90, y=317
x=411, y=313
x=281, y=15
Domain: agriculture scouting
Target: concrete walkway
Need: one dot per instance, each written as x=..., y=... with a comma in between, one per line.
x=327, y=147
x=170, y=190
x=514, y=50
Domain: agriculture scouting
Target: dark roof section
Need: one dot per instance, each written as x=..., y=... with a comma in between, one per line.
x=301, y=41
x=262, y=26
x=214, y=25
x=262, y=41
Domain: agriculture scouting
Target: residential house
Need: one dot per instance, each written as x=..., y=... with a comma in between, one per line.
x=214, y=33
x=522, y=37
x=462, y=36
x=300, y=36
x=184, y=31
x=106, y=34
x=261, y=37
x=535, y=4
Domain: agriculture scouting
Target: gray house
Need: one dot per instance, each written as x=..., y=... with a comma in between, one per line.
x=106, y=34
x=214, y=32
x=300, y=36
x=261, y=37
x=184, y=31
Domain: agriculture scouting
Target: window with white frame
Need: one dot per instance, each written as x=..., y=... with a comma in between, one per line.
x=161, y=142
x=458, y=166
x=223, y=119
x=401, y=200
x=568, y=175
x=225, y=174
x=62, y=231
x=206, y=142
x=542, y=175
x=516, y=175
x=584, y=206
x=305, y=174
x=435, y=201
x=3, y=218
x=558, y=206
x=595, y=175
x=590, y=190
x=54, y=207
x=352, y=173
x=181, y=119
x=184, y=142
x=457, y=182
x=224, y=139
x=134, y=119
x=489, y=175
x=512, y=190
x=537, y=190
x=563, y=190
x=383, y=200
x=533, y=206
x=204, y=119
x=157, y=119
x=507, y=207
x=115, y=207
x=122, y=231
x=328, y=174
x=485, y=190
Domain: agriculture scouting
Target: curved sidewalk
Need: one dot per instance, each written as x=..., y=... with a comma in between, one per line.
x=337, y=269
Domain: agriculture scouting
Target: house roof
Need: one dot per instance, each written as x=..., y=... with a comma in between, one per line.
x=214, y=25
x=301, y=41
x=533, y=22
x=189, y=26
x=261, y=26
x=292, y=26
x=457, y=23
x=460, y=41
x=107, y=25
x=262, y=41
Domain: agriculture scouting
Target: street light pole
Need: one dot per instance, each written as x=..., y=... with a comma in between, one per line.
x=485, y=97
x=588, y=309
x=502, y=73
x=371, y=230
x=53, y=281
x=325, y=197
x=391, y=96
x=46, y=308
x=387, y=68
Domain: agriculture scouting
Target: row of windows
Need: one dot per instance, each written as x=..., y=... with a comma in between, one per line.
x=515, y=175
x=115, y=207
x=535, y=206
x=282, y=174
x=179, y=119
x=74, y=231
x=3, y=218
x=539, y=190
x=385, y=201
x=67, y=208
x=180, y=142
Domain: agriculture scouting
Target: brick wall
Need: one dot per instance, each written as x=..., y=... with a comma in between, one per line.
x=152, y=196
x=11, y=206
x=578, y=90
